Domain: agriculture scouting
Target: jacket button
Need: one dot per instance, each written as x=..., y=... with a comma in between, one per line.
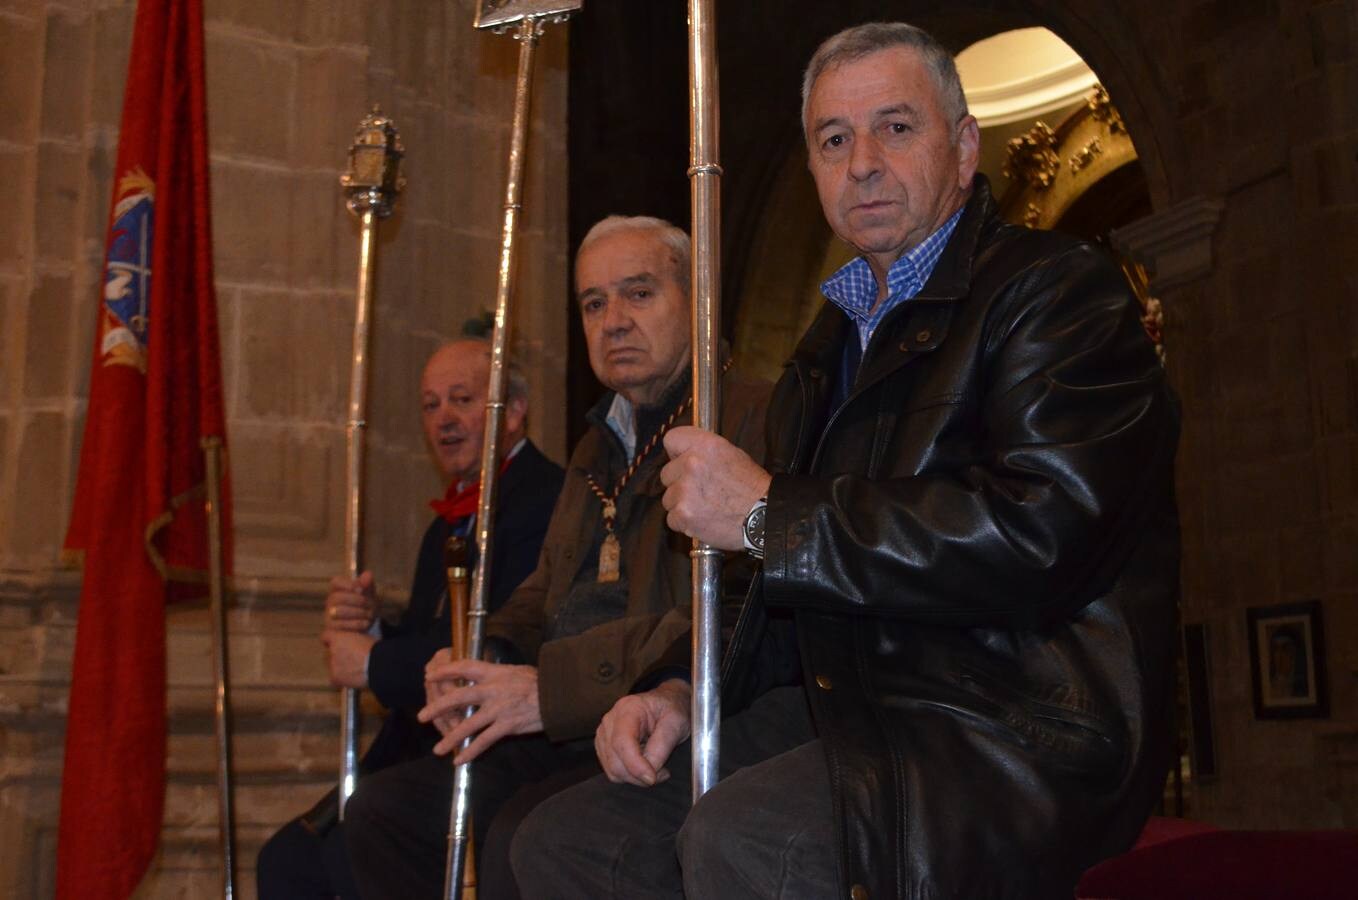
x=923, y=336
x=824, y=683
x=858, y=892
x=605, y=670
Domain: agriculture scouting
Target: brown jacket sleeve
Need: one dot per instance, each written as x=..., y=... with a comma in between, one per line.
x=581, y=677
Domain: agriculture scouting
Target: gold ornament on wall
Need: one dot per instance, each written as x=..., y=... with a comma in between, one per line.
x=1031, y=158
x=1102, y=110
x=1085, y=155
x=1050, y=168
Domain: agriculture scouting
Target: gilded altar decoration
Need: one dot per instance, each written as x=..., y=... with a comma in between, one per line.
x=1032, y=158
x=1085, y=155
x=1102, y=110
x=1051, y=167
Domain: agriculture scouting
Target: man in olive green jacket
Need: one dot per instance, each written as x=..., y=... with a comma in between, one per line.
x=612, y=590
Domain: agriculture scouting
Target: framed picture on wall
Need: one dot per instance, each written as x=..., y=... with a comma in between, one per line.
x=1287, y=661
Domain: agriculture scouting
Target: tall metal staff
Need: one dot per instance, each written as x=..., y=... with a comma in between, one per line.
x=530, y=16
x=226, y=817
x=370, y=188
x=705, y=181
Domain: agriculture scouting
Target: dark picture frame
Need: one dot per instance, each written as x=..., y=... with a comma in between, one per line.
x=1202, y=744
x=1287, y=661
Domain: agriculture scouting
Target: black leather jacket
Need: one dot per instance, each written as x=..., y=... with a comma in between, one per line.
x=974, y=564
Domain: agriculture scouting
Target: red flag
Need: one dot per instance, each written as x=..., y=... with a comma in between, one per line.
x=139, y=517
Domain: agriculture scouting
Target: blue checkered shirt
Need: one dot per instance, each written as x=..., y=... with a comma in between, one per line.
x=854, y=288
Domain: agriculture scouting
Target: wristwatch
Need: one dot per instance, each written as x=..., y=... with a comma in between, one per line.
x=754, y=528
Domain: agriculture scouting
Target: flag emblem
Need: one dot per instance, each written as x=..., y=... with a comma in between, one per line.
x=127, y=273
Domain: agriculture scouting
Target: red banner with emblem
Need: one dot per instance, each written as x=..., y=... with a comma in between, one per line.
x=139, y=518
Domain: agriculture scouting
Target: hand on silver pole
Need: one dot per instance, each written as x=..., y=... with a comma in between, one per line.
x=705, y=181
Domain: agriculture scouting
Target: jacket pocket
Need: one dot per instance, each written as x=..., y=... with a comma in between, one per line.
x=919, y=404
x=1071, y=739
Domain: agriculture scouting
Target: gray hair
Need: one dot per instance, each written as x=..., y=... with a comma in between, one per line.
x=674, y=238
x=863, y=40
x=516, y=383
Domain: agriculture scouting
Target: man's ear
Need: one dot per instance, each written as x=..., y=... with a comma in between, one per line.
x=968, y=150
x=516, y=415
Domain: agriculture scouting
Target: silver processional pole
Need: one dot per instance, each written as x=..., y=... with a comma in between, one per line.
x=371, y=185
x=527, y=19
x=705, y=180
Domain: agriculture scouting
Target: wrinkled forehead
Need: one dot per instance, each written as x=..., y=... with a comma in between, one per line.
x=623, y=256
x=887, y=77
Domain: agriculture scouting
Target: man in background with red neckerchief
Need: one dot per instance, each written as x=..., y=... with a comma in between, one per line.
x=306, y=859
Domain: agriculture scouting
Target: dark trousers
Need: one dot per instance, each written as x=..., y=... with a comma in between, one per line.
x=764, y=831
x=298, y=864
x=396, y=823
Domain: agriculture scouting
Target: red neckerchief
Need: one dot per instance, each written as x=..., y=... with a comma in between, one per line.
x=457, y=504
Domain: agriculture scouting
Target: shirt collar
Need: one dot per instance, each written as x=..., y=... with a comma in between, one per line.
x=622, y=419
x=853, y=288
x=464, y=483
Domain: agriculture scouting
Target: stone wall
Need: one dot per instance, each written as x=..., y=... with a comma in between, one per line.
x=288, y=81
x=1263, y=347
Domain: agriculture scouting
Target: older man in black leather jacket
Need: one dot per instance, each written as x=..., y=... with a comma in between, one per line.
x=952, y=678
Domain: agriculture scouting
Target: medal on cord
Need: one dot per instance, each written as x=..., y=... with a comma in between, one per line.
x=610, y=552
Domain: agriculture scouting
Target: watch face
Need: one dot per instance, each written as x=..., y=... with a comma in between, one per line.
x=754, y=527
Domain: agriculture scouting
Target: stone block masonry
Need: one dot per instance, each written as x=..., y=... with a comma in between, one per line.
x=288, y=81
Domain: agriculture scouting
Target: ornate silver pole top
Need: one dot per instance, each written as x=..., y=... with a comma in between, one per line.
x=498, y=15
x=374, y=177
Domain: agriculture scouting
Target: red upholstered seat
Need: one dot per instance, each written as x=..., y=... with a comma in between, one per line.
x=1240, y=865
x=1163, y=828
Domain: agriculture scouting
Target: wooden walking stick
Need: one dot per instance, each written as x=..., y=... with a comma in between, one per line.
x=456, y=569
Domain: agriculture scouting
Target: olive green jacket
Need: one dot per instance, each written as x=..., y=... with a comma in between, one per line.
x=582, y=676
